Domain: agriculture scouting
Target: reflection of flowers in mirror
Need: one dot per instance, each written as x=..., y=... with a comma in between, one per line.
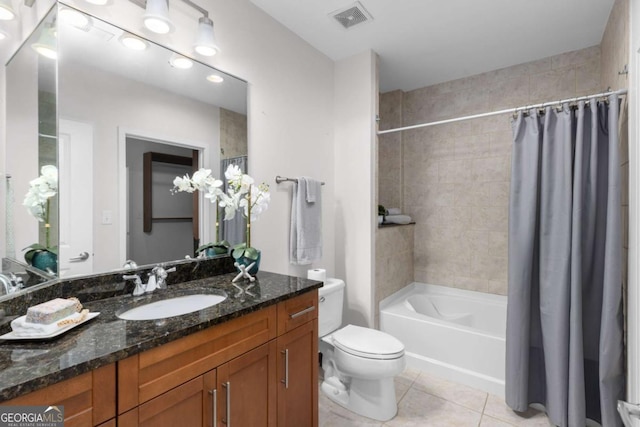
x=38, y=203
x=41, y=190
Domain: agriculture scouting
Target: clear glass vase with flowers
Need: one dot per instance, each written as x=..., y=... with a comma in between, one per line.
x=242, y=195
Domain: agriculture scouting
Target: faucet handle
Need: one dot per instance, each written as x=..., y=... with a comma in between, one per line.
x=16, y=281
x=161, y=275
x=140, y=288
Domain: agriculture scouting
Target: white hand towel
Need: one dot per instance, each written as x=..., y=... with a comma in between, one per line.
x=306, y=222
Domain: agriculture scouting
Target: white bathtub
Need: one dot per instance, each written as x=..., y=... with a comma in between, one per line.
x=452, y=333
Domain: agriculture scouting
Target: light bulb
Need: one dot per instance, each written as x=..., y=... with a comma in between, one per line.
x=6, y=11
x=205, y=39
x=132, y=42
x=214, y=78
x=178, y=61
x=156, y=17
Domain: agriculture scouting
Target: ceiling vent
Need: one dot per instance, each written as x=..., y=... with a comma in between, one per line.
x=352, y=15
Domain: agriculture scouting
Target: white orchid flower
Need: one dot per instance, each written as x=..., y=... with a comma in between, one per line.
x=182, y=184
x=49, y=173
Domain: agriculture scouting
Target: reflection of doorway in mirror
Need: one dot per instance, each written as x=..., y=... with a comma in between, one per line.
x=168, y=233
x=75, y=163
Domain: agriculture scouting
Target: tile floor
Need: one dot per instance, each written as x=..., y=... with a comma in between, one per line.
x=428, y=401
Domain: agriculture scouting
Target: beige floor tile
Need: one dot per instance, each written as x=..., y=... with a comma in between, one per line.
x=488, y=421
x=418, y=408
x=404, y=381
x=457, y=393
x=497, y=408
x=332, y=414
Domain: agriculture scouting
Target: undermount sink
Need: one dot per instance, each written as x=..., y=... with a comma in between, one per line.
x=172, y=307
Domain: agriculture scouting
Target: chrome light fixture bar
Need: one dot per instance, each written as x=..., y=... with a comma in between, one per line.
x=156, y=19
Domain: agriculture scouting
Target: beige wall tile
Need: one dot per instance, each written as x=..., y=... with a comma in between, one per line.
x=455, y=177
x=553, y=85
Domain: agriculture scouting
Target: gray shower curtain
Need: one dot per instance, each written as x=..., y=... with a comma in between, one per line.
x=564, y=315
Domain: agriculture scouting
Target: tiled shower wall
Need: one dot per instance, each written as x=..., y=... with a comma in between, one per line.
x=455, y=178
x=233, y=134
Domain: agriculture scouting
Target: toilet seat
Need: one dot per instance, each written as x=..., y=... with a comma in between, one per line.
x=367, y=343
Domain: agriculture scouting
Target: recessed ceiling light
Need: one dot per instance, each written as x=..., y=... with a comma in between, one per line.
x=74, y=17
x=46, y=45
x=133, y=42
x=215, y=78
x=98, y=2
x=6, y=11
x=181, y=62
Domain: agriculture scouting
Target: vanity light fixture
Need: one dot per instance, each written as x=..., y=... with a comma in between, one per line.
x=132, y=42
x=181, y=62
x=214, y=78
x=6, y=11
x=205, y=43
x=156, y=17
x=46, y=43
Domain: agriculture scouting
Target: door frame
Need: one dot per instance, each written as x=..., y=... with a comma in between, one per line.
x=204, y=162
x=633, y=291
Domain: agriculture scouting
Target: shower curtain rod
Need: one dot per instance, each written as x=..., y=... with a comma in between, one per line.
x=508, y=110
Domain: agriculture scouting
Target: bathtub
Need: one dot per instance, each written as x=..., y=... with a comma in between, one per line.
x=452, y=333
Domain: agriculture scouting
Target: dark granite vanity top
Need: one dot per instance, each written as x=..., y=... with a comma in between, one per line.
x=26, y=366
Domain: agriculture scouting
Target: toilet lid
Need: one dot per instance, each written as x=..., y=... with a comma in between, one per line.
x=369, y=343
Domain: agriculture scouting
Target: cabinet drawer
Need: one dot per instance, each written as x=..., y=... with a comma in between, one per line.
x=88, y=399
x=297, y=311
x=153, y=372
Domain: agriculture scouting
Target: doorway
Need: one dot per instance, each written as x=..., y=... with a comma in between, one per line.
x=161, y=226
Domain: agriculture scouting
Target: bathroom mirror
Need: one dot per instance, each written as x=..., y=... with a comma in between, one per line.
x=131, y=115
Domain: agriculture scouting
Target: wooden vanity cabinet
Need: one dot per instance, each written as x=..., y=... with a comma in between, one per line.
x=88, y=399
x=260, y=369
x=298, y=361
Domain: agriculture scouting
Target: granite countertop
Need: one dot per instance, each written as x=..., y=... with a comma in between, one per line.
x=26, y=366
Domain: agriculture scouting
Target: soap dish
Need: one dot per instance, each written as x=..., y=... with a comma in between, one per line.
x=12, y=335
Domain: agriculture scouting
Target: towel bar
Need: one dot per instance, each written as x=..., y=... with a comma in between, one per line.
x=280, y=179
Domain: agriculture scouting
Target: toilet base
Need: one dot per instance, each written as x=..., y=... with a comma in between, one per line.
x=374, y=399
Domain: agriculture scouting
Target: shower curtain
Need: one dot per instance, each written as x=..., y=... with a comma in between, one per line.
x=564, y=315
x=233, y=231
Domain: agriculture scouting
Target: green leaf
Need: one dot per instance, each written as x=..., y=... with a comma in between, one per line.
x=251, y=253
x=35, y=246
x=237, y=253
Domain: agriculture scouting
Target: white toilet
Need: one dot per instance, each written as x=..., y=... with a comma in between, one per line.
x=359, y=363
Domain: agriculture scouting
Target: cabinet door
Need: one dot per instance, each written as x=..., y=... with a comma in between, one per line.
x=247, y=389
x=190, y=404
x=298, y=376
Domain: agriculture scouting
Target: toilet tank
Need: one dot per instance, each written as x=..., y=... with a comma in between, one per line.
x=331, y=297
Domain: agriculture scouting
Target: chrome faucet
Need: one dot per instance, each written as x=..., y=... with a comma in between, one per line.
x=12, y=283
x=160, y=275
x=156, y=280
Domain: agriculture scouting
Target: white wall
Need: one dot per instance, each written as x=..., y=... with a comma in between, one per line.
x=355, y=101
